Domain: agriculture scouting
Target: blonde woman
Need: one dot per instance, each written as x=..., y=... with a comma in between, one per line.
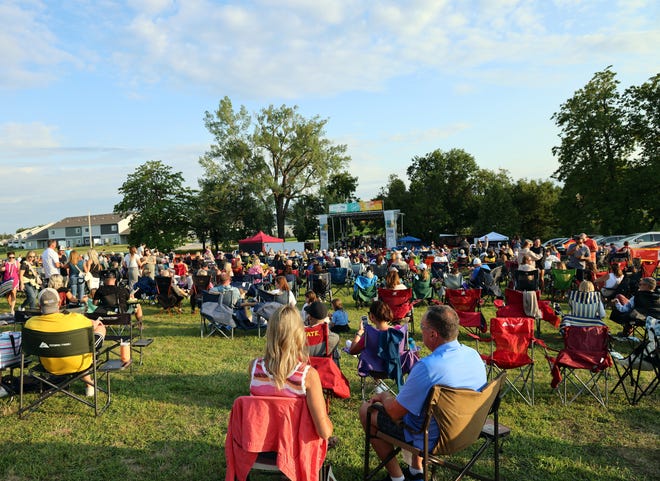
x=284, y=370
x=94, y=267
x=76, y=275
x=133, y=264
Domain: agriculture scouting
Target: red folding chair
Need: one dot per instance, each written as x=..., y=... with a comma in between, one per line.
x=400, y=303
x=512, y=344
x=515, y=308
x=585, y=349
x=467, y=304
x=333, y=381
x=648, y=268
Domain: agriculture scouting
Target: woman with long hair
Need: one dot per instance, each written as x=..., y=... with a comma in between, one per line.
x=29, y=280
x=284, y=371
x=133, y=264
x=393, y=281
x=94, y=267
x=282, y=286
x=10, y=272
x=76, y=275
x=380, y=315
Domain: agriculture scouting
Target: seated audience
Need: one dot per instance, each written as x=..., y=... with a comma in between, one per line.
x=284, y=371
x=339, y=320
x=111, y=298
x=380, y=315
x=56, y=281
x=450, y=364
x=51, y=320
x=393, y=281
x=318, y=314
x=645, y=302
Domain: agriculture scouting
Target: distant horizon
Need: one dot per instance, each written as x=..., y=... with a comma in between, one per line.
x=91, y=91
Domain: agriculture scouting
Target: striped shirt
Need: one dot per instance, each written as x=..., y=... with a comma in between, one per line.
x=263, y=384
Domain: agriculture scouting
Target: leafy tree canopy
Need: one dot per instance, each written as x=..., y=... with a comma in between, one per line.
x=160, y=205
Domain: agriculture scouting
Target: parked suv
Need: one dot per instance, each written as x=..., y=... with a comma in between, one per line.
x=638, y=241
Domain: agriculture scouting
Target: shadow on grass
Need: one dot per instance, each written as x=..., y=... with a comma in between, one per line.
x=162, y=460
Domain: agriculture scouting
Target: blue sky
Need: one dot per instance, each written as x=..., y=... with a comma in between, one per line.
x=90, y=90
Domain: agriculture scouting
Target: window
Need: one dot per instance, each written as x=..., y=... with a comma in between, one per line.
x=113, y=228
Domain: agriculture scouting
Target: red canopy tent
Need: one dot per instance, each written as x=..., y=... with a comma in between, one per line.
x=256, y=242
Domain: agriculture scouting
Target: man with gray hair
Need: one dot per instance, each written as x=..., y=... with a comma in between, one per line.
x=450, y=364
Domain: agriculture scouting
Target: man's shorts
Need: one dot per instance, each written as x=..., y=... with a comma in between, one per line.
x=387, y=425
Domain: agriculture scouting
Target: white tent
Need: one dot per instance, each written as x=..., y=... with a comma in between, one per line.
x=492, y=237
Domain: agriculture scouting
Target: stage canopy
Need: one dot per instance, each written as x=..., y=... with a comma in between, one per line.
x=256, y=242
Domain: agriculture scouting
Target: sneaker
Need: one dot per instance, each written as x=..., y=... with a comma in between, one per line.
x=89, y=391
x=412, y=477
x=3, y=392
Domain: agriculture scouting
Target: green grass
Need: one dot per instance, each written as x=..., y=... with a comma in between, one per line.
x=168, y=420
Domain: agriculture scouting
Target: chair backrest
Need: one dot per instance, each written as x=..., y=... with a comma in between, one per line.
x=201, y=283
x=422, y=289
x=364, y=282
x=285, y=426
x=280, y=298
x=648, y=268
x=380, y=271
x=374, y=357
x=584, y=304
x=338, y=275
x=318, y=336
x=453, y=281
x=527, y=280
x=512, y=337
x=321, y=283
x=438, y=269
x=163, y=285
x=562, y=278
x=398, y=300
x=466, y=300
x=58, y=344
x=461, y=413
x=585, y=348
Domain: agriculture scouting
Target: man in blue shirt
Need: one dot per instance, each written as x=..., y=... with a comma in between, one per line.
x=450, y=364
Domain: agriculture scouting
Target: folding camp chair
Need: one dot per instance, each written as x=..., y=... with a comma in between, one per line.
x=400, y=303
x=561, y=280
x=462, y=416
x=200, y=284
x=526, y=280
x=259, y=438
x=639, y=370
x=167, y=298
x=512, y=344
x=423, y=292
x=321, y=284
x=333, y=381
x=585, y=349
x=515, y=307
x=364, y=290
x=78, y=342
x=648, y=268
x=585, y=310
x=386, y=356
x=121, y=327
x=467, y=304
x=339, y=278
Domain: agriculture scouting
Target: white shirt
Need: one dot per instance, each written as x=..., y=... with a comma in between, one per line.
x=49, y=260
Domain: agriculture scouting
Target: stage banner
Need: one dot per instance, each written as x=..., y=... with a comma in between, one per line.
x=390, y=228
x=351, y=207
x=323, y=226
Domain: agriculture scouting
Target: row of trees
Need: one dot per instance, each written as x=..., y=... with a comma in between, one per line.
x=276, y=165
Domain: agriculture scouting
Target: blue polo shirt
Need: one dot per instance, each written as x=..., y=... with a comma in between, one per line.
x=451, y=364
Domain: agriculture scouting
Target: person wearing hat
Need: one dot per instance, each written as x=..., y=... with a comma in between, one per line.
x=317, y=313
x=52, y=320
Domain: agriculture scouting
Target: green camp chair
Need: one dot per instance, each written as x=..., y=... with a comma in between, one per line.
x=562, y=280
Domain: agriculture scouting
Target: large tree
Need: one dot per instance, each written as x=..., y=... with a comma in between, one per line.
x=596, y=159
x=279, y=153
x=160, y=205
x=442, y=193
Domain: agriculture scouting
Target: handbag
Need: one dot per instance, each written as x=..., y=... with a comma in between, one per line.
x=10, y=349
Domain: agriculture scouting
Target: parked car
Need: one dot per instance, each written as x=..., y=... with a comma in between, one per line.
x=611, y=238
x=557, y=241
x=639, y=241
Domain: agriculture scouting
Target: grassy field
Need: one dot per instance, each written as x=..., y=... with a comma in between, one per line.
x=168, y=420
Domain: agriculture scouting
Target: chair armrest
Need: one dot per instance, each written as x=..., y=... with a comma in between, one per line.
x=479, y=338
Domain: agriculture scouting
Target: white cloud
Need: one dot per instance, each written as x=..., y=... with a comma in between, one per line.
x=33, y=135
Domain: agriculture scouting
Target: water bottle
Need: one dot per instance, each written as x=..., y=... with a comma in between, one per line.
x=411, y=344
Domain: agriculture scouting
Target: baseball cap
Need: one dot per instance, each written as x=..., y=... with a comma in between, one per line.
x=49, y=301
x=317, y=310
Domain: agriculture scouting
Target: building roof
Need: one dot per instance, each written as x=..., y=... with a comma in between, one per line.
x=83, y=220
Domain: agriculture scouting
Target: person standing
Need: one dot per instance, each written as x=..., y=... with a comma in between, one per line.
x=29, y=281
x=10, y=273
x=132, y=263
x=50, y=261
